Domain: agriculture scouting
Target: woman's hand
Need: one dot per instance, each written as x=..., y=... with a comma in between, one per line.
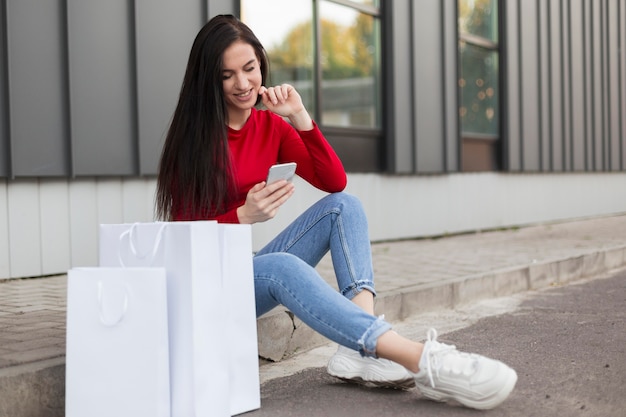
x=263, y=201
x=285, y=101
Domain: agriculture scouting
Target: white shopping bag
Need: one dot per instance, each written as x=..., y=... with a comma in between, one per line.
x=117, y=343
x=190, y=254
x=238, y=275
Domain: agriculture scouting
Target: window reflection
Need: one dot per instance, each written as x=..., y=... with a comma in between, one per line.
x=374, y=3
x=349, y=55
x=479, y=17
x=478, y=84
x=288, y=42
x=350, y=65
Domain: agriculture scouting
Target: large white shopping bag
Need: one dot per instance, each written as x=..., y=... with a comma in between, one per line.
x=189, y=252
x=236, y=250
x=117, y=343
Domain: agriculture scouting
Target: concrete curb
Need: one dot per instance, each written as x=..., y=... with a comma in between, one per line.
x=33, y=390
x=281, y=335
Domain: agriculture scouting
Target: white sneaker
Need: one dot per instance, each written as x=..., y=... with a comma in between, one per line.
x=349, y=365
x=473, y=380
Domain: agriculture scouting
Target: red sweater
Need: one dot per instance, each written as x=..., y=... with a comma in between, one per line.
x=267, y=139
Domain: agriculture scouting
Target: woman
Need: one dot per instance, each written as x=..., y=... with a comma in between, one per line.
x=216, y=157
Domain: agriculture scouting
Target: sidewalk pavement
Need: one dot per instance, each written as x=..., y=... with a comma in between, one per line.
x=412, y=277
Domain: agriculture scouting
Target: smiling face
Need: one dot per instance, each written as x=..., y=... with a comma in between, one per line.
x=242, y=79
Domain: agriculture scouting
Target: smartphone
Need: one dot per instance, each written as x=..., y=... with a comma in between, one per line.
x=281, y=172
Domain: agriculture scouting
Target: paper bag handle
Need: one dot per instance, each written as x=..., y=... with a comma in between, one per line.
x=132, y=237
x=116, y=320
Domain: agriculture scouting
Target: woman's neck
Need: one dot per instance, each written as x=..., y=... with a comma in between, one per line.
x=236, y=120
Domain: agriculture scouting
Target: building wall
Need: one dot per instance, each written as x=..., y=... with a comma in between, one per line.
x=422, y=123
x=87, y=89
x=565, y=85
x=50, y=225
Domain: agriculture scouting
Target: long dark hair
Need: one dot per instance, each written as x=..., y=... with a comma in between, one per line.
x=195, y=176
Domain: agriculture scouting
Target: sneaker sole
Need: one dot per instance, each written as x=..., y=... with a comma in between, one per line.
x=376, y=380
x=484, y=404
x=403, y=385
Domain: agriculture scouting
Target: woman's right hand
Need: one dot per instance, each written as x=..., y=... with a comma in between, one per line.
x=263, y=201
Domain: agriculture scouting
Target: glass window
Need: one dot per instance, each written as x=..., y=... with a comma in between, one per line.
x=478, y=83
x=345, y=63
x=478, y=58
x=350, y=66
x=479, y=17
x=288, y=42
x=374, y=3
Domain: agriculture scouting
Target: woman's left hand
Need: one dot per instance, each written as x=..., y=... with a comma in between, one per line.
x=285, y=101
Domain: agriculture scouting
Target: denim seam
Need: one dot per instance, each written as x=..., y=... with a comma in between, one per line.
x=310, y=226
x=346, y=251
x=351, y=290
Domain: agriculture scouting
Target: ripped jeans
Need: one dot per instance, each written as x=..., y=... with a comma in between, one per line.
x=284, y=273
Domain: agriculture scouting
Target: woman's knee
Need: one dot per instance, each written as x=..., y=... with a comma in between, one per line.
x=277, y=263
x=345, y=202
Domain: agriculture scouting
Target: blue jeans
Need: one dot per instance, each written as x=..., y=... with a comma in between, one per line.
x=284, y=272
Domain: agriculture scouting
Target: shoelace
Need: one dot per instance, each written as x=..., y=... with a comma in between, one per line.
x=435, y=350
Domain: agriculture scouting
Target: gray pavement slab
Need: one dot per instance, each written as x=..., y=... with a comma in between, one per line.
x=413, y=277
x=567, y=343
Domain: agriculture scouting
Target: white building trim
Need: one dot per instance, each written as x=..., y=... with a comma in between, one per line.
x=48, y=226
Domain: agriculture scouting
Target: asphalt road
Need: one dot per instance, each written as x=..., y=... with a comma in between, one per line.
x=568, y=345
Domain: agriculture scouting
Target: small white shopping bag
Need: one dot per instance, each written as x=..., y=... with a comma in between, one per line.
x=238, y=276
x=117, y=343
x=189, y=252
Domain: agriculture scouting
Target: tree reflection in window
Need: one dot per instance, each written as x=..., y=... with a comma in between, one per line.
x=479, y=67
x=349, y=56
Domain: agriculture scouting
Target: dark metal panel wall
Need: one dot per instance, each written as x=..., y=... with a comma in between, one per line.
x=621, y=63
x=555, y=85
x=37, y=88
x=399, y=73
x=529, y=94
x=543, y=108
x=565, y=85
x=428, y=100
x=102, y=87
x=216, y=7
x=87, y=87
x=449, y=84
x=165, y=31
x=615, y=52
x=421, y=58
x=512, y=85
x=595, y=79
x=588, y=91
x=4, y=115
x=577, y=55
